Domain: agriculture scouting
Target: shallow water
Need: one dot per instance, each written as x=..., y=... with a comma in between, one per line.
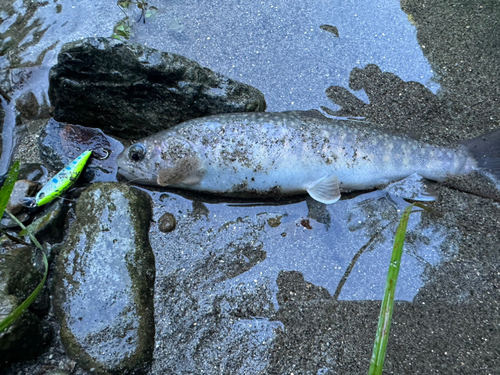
x=278, y=46
x=351, y=241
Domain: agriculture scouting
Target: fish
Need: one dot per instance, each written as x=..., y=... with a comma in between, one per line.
x=286, y=153
x=61, y=182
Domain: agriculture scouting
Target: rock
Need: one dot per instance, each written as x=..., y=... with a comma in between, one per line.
x=61, y=143
x=330, y=29
x=133, y=91
x=58, y=372
x=167, y=222
x=8, y=222
x=25, y=337
x=28, y=106
x=34, y=172
x=104, y=282
x=5, y=84
x=48, y=225
x=22, y=189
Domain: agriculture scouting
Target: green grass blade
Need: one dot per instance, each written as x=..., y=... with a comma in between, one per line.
x=384, y=322
x=23, y=306
x=5, y=193
x=8, y=186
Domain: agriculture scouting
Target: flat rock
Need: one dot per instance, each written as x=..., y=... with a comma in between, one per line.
x=104, y=282
x=61, y=143
x=133, y=91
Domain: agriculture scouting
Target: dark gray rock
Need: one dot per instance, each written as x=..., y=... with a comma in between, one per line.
x=132, y=91
x=8, y=222
x=28, y=105
x=58, y=372
x=104, y=282
x=61, y=143
x=24, y=338
x=5, y=84
x=34, y=172
x=167, y=222
x=48, y=225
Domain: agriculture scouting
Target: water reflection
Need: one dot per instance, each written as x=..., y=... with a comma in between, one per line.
x=344, y=248
x=32, y=32
x=280, y=48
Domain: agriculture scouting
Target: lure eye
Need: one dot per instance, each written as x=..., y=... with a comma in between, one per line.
x=137, y=152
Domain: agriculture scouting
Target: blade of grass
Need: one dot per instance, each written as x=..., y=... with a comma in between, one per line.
x=8, y=186
x=23, y=306
x=5, y=193
x=384, y=322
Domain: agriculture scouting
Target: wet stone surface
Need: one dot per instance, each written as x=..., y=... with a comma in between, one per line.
x=48, y=223
x=22, y=189
x=104, y=282
x=8, y=222
x=33, y=172
x=134, y=84
x=25, y=338
x=29, y=109
x=167, y=222
x=61, y=143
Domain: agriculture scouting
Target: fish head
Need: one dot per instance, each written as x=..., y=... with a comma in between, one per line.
x=163, y=161
x=136, y=163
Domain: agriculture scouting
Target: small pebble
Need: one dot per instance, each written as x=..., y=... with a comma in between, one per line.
x=167, y=222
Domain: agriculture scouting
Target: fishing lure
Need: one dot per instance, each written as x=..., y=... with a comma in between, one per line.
x=61, y=182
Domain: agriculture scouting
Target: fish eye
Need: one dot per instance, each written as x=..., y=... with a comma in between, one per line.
x=137, y=152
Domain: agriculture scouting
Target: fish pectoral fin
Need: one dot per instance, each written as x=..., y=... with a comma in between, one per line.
x=194, y=178
x=171, y=176
x=325, y=190
x=164, y=177
x=186, y=172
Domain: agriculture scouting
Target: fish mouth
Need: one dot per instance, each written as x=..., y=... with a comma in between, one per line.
x=133, y=178
x=123, y=172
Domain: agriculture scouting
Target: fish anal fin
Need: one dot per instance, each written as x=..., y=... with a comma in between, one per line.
x=186, y=171
x=326, y=190
x=414, y=187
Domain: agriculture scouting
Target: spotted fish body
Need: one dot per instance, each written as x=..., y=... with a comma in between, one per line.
x=255, y=154
x=63, y=180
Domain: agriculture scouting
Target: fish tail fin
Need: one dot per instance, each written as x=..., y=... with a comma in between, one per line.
x=486, y=150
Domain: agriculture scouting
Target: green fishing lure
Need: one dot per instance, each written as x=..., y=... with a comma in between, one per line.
x=60, y=182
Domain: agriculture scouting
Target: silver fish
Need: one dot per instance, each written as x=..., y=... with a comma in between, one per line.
x=259, y=154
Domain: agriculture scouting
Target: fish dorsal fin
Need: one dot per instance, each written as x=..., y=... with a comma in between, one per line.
x=186, y=171
x=326, y=190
